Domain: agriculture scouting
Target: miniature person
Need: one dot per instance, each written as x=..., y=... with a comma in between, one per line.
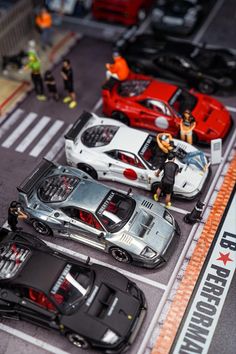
x=35, y=66
x=44, y=23
x=170, y=169
x=51, y=85
x=67, y=75
x=119, y=70
x=187, y=126
x=14, y=214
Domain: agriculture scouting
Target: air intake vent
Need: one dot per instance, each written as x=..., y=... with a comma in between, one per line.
x=126, y=239
x=11, y=259
x=147, y=204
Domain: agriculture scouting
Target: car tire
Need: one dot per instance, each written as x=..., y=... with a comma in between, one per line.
x=120, y=255
x=207, y=86
x=121, y=117
x=41, y=228
x=88, y=169
x=77, y=340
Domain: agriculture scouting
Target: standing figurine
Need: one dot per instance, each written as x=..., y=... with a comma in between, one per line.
x=34, y=65
x=187, y=126
x=170, y=169
x=14, y=214
x=67, y=74
x=119, y=70
x=51, y=85
x=44, y=23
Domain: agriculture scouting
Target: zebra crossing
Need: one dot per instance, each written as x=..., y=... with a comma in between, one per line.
x=32, y=134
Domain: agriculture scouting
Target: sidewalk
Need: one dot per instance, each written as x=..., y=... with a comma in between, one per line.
x=16, y=84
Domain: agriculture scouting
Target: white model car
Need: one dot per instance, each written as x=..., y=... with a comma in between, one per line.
x=109, y=150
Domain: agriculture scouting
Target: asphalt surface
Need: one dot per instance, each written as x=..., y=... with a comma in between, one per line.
x=88, y=58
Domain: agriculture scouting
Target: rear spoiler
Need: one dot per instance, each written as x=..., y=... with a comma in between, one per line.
x=78, y=125
x=41, y=170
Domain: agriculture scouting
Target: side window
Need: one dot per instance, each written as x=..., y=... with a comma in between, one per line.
x=83, y=216
x=40, y=299
x=129, y=159
x=159, y=107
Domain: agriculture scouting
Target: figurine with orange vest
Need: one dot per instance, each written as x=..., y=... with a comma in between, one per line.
x=119, y=70
x=44, y=23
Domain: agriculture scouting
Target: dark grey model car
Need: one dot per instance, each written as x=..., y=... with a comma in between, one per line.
x=66, y=202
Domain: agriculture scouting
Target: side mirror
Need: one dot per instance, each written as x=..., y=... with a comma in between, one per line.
x=101, y=236
x=129, y=191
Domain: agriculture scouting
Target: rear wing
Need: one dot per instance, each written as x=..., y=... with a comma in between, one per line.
x=78, y=125
x=41, y=171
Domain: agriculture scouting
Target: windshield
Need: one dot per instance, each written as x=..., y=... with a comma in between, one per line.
x=71, y=286
x=115, y=210
x=152, y=154
x=182, y=100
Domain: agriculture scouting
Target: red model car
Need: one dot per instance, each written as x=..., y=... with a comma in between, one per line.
x=127, y=12
x=144, y=102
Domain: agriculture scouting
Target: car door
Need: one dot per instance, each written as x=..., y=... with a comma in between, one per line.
x=84, y=227
x=126, y=167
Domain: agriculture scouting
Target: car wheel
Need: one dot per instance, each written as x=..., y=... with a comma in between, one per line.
x=206, y=86
x=154, y=187
x=120, y=255
x=121, y=117
x=41, y=228
x=77, y=340
x=88, y=169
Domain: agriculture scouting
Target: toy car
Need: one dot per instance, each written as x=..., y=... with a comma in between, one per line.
x=127, y=12
x=209, y=69
x=57, y=292
x=144, y=102
x=107, y=149
x=176, y=16
x=67, y=202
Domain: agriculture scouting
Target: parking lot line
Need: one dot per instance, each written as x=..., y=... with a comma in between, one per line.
x=137, y=277
x=37, y=342
x=231, y=109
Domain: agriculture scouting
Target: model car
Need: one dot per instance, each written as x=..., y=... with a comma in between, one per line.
x=127, y=12
x=107, y=149
x=67, y=202
x=144, y=102
x=206, y=68
x=55, y=291
x=176, y=16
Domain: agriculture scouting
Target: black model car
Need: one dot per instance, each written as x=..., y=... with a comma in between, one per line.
x=204, y=67
x=93, y=306
x=176, y=16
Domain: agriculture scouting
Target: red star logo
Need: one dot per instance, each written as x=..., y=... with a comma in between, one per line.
x=224, y=258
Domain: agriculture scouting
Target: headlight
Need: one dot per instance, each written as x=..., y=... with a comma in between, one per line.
x=168, y=217
x=147, y=252
x=110, y=337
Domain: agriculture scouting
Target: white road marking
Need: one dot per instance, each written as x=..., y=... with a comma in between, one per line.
x=231, y=109
x=19, y=130
x=140, y=278
x=57, y=146
x=14, y=117
x=46, y=138
x=208, y=21
x=178, y=210
x=97, y=105
x=37, y=342
x=33, y=134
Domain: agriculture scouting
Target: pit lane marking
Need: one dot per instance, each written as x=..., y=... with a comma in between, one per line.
x=37, y=342
x=140, y=278
x=58, y=146
x=14, y=117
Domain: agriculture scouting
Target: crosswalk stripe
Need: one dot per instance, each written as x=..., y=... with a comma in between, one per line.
x=10, y=121
x=57, y=146
x=33, y=134
x=46, y=138
x=19, y=130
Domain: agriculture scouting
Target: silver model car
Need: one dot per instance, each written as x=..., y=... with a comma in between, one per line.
x=67, y=202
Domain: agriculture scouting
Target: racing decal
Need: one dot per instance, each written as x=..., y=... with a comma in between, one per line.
x=130, y=174
x=198, y=328
x=162, y=123
x=61, y=278
x=106, y=203
x=113, y=305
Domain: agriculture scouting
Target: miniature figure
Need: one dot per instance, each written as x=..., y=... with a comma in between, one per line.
x=14, y=214
x=187, y=126
x=51, y=85
x=119, y=70
x=170, y=169
x=35, y=66
x=44, y=23
x=67, y=75
x=195, y=215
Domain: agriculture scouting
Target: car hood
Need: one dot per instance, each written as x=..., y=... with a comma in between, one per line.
x=150, y=227
x=105, y=308
x=213, y=120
